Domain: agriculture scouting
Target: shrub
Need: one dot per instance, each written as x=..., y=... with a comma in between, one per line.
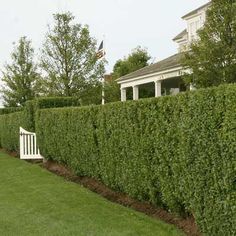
x=178, y=151
x=25, y=117
x=46, y=102
x=52, y=102
x=8, y=110
x=9, y=130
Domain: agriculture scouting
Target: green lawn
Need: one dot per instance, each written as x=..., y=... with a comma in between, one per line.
x=36, y=202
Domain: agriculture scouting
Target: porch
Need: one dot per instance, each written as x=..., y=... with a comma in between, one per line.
x=162, y=78
x=156, y=88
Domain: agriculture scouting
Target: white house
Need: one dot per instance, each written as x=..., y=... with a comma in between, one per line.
x=165, y=75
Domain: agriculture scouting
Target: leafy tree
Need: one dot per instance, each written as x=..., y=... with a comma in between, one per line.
x=91, y=93
x=69, y=59
x=212, y=58
x=20, y=77
x=112, y=89
x=136, y=60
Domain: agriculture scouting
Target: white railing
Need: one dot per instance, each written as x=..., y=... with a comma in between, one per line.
x=28, y=146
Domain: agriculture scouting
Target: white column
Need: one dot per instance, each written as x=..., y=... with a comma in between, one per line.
x=192, y=87
x=157, y=88
x=123, y=94
x=135, y=93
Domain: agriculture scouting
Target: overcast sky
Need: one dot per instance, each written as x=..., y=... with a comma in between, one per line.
x=125, y=23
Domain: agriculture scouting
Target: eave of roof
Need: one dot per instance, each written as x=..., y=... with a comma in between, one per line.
x=168, y=63
x=196, y=10
x=180, y=35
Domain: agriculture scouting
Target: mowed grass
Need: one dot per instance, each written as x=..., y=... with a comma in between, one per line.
x=35, y=202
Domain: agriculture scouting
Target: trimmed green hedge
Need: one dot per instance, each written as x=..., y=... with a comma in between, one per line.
x=46, y=102
x=52, y=102
x=177, y=151
x=8, y=110
x=10, y=123
x=10, y=129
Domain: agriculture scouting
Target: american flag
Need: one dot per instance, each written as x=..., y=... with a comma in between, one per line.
x=101, y=52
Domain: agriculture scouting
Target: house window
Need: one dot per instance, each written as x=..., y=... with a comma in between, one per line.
x=192, y=30
x=197, y=25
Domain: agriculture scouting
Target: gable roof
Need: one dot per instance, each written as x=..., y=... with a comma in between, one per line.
x=196, y=10
x=168, y=63
x=180, y=35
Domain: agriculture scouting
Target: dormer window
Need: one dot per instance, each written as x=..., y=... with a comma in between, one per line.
x=195, y=21
x=192, y=29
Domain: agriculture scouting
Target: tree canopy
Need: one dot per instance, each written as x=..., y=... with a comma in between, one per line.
x=137, y=59
x=21, y=81
x=212, y=57
x=69, y=59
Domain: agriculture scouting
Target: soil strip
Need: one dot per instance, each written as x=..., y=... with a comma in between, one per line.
x=187, y=225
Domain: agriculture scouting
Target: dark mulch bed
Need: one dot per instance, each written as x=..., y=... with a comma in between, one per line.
x=187, y=225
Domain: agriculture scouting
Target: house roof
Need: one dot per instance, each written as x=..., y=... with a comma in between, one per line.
x=168, y=63
x=196, y=10
x=180, y=35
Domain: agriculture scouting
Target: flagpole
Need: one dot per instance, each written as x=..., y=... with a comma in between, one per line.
x=103, y=79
